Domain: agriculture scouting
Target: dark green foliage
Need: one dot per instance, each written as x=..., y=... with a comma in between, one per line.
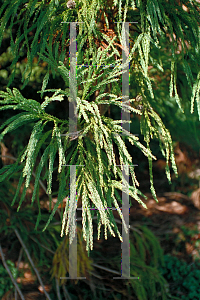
x=183, y=279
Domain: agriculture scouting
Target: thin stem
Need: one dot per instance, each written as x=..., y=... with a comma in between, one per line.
x=32, y=264
x=106, y=269
x=67, y=295
x=42, y=245
x=58, y=290
x=10, y=274
x=18, y=261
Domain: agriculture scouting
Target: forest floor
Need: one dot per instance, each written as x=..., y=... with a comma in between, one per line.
x=174, y=219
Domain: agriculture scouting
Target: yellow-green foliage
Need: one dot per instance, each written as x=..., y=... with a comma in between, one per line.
x=60, y=266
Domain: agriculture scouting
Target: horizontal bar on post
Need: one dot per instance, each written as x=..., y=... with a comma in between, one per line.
x=73, y=278
x=73, y=22
x=126, y=278
x=125, y=22
x=113, y=208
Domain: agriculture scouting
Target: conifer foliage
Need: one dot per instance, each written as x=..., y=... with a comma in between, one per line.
x=99, y=42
